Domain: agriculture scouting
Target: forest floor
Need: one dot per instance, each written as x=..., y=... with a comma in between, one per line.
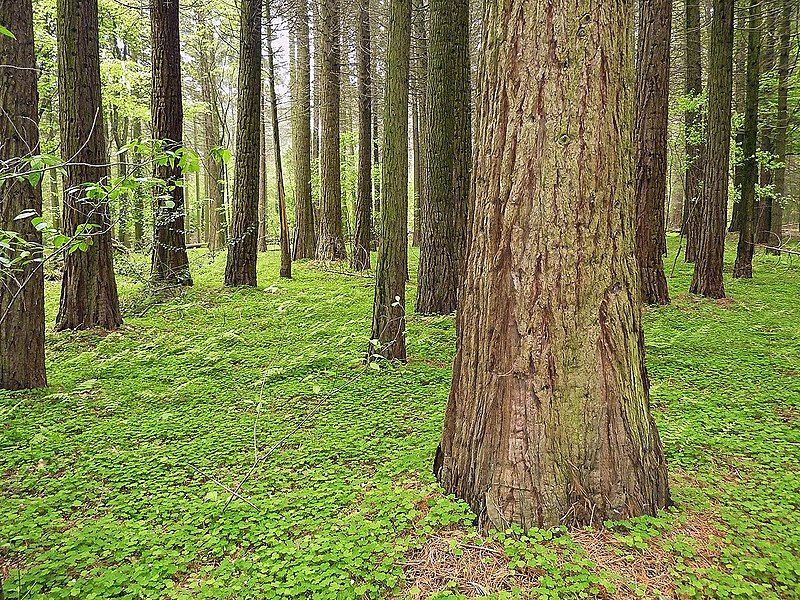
x=113, y=480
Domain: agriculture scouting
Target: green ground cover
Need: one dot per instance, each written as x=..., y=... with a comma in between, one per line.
x=107, y=478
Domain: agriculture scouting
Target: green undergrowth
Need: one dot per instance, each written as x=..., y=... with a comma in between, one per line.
x=112, y=478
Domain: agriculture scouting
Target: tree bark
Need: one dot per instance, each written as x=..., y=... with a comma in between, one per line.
x=360, y=261
x=548, y=419
x=781, y=127
x=138, y=195
x=170, y=263
x=304, y=232
x=389, y=308
x=444, y=210
x=88, y=288
x=650, y=135
x=21, y=284
x=693, y=128
x=707, y=280
x=262, y=180
x=286, y=251
x=240, y=268
x=743, y=268
x=330, y=243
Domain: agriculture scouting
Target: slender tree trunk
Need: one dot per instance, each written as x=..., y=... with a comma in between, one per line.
x=693, y=127
x=240, y=268
x=216, y=230
x=389, y=308
x=170, y=262
x=766, y=180
x=88, y=288
x=419, y=120
x=376, y=164
x=138, y=196
x=316, y=85
x=330, y=244
x=360, y=260
x=444, y=210
x=708, y=269
x=548, y=419
x=650, y=136
x=304, y=233
x=262, y=180
x=286, y=251
x=781, y=126
x=743, y=268
x=22, y=284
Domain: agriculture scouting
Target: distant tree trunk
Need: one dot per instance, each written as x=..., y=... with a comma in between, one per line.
x=650, y=137
x=216, y=224
x=743, y=268
x=360, y=260
x=304, y=233
x=389, y=308
x=330, y=244
x=766, y=179
x=693, y=126
x=21, y=287
x=316, y=84
x=376, y=164
x=443, y=215
x=781, y=126
x=739, y=85
x=548, y=419
x=170, y=263
x=240, y=268
x=420, y=123
x=262, y=180
x=88, y=288
x=138, y=196
x=707, y=280
x=286, y=251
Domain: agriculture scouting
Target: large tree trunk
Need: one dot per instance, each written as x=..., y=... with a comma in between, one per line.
x=304, y=232
x=363, y=233
x=389, y=308
x=330, y=243
x=88, y=288
x=286, y=251
x=708, y=269
x=650, y=137
x=749, y=168
x=443, y=212
x=170, y=263
x=21, y=285
x=693, y=127
x=262, y=179
x=548, y=420
x=781, y=126
x=240, y=268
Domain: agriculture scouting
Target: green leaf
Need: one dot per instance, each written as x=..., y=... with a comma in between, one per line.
x=7, y=33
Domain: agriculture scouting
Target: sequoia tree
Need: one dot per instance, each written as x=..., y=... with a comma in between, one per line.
x=693, y=126
x=443, y=213
x=363, y=233
x=170, y=263
x=707, y=280
x=548, y=419
x=240, y=268
x=21, y=277
x=650, y=136
x=88, y=287
x=304, y=234
x=749, y=169
x=330, y=243
x=389, y=308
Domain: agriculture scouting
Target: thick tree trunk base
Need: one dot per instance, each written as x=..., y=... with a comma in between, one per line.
x=654, y=286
